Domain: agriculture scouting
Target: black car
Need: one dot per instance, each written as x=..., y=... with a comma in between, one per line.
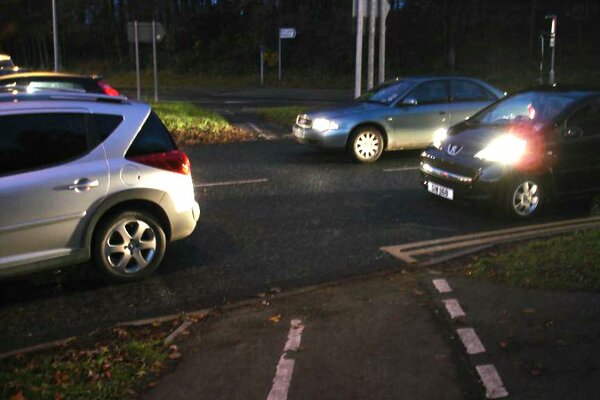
x=35, y=81
x=534, y=145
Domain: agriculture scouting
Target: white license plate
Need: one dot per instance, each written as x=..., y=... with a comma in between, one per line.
x=441, y=191
x=298, y=132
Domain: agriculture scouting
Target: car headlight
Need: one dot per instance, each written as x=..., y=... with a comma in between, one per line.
x=506, y=149
x=439, y=136
x=322, y=124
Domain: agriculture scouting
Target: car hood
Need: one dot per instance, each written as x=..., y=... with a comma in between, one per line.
x=347, y=110
x=471, y=139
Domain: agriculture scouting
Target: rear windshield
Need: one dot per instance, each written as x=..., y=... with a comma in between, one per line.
x=6, y=64
x=536, y=108
x=152, y=138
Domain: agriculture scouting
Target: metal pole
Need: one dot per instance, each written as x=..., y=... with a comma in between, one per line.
x=551, y=77
x=359, y=37
x=543, y=45
x=262, y=65
x=279, y=34
x=154, y=61
x=371, y=62
x=55, y=36
x=137, y=58
x=383, y=11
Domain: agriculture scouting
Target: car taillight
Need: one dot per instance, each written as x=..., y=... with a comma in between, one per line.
x=174, y=161
x=107, y=89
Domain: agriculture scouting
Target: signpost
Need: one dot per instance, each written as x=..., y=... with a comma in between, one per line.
x=145, y=32
x=285, y=33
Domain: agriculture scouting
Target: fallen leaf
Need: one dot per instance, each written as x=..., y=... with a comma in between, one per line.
x=276, y=290
x=174, y=356
x=419, y=292
x=275, y=319
x=262, y=295
x=503, y=344
x=529, y=311
x=18, y=396
x=151, y=384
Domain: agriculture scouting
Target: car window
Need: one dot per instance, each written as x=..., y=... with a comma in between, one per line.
x=6, y=64
x=430, y=93
x=463, y=90
x=387, y=92
x=587, y=119
x=55, y=85
x=152, y=138
x=35, y=141
x=103, y=125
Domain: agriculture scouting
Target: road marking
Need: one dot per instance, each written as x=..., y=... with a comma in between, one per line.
x=407, y=252
x=471, y=341
x=285, y=367
x=231, y=183
x=454, y=309
x=442, y=285
x=400, y=169
x=254, y=127
x=494, y=388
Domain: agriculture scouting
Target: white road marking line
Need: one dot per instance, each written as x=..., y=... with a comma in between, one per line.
x=494, y=388
x=401, y=169
x=230, y=183
x=255, y=128
x=454, y=309
x=442, y=285
x=471, y=341
x=285, y=367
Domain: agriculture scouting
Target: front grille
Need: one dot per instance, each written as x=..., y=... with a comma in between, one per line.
x=304, y=122
x=453, y=167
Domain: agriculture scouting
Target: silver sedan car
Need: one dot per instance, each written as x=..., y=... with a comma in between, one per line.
x=403, y=113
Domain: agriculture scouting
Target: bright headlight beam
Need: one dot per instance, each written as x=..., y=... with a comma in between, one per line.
x=506, y=149
x=322, y=124
x=439, y=136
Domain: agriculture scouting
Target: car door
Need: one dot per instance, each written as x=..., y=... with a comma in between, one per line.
x=466, y=98
x=49, y=179
x=419, y=114
x=577, y=164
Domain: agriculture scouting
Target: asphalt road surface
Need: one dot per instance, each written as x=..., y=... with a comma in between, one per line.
x=274, y=214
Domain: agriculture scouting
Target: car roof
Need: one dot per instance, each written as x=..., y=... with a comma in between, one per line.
x=563, y=88
x=4, y=57
x=47, y=74
x=57, y=95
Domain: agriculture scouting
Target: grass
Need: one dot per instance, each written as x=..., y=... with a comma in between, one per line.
x=570, y=262
x=192, y=125
x=285, y=116
x=112, y=365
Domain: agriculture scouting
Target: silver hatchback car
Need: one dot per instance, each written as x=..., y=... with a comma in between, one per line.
x=89, y=177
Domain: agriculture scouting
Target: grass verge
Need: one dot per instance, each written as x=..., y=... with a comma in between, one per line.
x=570, y=262
x=115, y=364
x=192, y=125
x=285, y=116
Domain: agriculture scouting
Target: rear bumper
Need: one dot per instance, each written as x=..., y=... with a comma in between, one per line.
x=184, y=223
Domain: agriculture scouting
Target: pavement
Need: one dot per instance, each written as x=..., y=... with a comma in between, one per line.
x=393, y=335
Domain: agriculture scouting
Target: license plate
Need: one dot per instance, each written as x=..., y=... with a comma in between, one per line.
x=441, y=191
x=298, y=132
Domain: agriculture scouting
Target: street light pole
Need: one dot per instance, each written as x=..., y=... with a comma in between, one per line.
x=55, y=36
x=553, y=47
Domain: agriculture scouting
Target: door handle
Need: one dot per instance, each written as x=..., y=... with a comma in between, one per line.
x=84, y=185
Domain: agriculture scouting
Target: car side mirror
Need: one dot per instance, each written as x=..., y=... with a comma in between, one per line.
x=572, y=132
x=409, y=101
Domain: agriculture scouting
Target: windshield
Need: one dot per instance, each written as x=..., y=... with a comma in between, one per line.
x=537, y=108
x=6, y=64
x=387, y=92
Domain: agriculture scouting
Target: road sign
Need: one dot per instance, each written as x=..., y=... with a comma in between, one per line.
x=287, y=33
x=144, y=32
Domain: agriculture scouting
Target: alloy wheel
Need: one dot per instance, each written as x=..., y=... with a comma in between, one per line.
x=526, y=198
x=367, y=145
x=130, y=246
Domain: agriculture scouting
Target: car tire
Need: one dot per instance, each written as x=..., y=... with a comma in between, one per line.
x=128, y=246
x=524, y=197
x=366, y=145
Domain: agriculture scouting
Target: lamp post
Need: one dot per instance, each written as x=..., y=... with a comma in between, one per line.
x=55, y=36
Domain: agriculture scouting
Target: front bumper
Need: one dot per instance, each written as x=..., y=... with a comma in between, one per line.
x=469, y=179
x=330, y=139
